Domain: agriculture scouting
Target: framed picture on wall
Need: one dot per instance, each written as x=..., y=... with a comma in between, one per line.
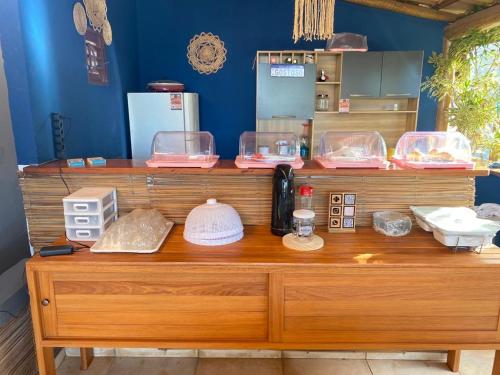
x=95, y=54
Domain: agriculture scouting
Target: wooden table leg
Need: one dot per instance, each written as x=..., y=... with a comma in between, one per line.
x=453, y=360
x=86, y=357
x=45, y=361
x=496, y=364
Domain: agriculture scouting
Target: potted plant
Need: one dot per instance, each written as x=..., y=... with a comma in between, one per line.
x=469, y=77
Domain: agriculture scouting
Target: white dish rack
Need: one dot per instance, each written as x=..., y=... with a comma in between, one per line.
x=456, y=226
x=88, y=212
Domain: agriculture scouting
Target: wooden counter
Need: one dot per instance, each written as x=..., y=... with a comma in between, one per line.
x=362, y=291
x=227, y=167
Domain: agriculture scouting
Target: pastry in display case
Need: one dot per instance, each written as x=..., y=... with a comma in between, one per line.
x=361, y=149
x=433, y=149
x=179, y=149
x=268, y=149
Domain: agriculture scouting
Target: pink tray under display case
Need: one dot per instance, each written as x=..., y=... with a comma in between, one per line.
x=178, y=149
x=268, y=149
x=433, y=150
x=363, y=149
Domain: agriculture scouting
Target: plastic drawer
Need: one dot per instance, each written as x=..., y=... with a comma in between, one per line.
x=84, y=234
x=89, y=201
x=87, y=234
x=89, y=220
x=77, y=207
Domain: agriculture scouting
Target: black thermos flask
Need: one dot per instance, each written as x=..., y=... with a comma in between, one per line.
x=283, y=200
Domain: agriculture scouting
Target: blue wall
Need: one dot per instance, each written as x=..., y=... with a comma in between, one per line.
x=46, y=73
x=227, y=98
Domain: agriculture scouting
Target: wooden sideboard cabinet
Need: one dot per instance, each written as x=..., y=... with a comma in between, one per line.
x=362, y=291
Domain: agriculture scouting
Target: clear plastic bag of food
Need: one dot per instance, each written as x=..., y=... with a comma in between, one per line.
x=141, y=231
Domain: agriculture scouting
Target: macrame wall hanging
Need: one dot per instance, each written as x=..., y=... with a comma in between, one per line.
x=95, y=12
x=313, y=19
x=206, y=53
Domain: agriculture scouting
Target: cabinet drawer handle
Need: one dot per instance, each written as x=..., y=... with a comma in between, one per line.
x=81, y=207
x=83, y=233
x=361, y=95
x=82, y=220
x=45, y=302
x=284, y=116
x=405, y=94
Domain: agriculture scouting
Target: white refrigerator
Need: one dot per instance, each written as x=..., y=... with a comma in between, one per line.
x=151, y=112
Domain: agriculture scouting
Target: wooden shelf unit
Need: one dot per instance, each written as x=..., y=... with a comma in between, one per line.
x=388, y=122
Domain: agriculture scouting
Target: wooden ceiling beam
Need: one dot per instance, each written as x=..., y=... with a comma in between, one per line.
x=409, y=9
x=484, y=19
x=444, y=4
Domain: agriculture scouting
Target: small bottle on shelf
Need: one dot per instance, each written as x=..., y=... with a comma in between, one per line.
x=304, y=142
x=306, y=196
x=322, y=76
x=322, y=102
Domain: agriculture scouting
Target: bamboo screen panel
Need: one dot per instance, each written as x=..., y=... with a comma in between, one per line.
x=175, y=195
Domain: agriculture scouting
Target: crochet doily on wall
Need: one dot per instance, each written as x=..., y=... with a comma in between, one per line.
x=206, y=53
x=96, y=12
x=80, y=18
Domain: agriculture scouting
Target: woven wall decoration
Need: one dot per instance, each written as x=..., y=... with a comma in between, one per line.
x=107, y=33
x=313, y=19
x=94, y=12
x=206, y=53
x=97, y=13
x=80, y=18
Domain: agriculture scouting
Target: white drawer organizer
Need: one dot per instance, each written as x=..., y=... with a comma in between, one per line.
x=88, y=212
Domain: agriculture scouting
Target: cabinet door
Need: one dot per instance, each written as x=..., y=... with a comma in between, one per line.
x=392, y=306
x=285, y=97
x=401, y=74
x=361, y=72
x=155, y=305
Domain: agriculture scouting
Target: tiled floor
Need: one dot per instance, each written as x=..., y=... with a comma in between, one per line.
x=473, y=363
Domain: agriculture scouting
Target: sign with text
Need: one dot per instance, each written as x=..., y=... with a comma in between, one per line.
x=287, y=70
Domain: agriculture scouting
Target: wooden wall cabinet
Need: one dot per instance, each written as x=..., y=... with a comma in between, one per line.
x=381, y=74
x=401, y=74
x=383, y=89
x=361, y=75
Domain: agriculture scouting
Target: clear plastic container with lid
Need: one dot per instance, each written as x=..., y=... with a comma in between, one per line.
x=362, y=149
x=183, y=149
x=268, y=149
x=433, y=150
x=303, y=223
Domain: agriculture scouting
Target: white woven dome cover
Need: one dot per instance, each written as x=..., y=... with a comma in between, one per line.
x=213, y=224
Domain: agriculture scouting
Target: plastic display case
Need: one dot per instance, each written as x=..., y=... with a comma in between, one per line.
x=422, y=150
x=347, y=42
x=268, y=149
x=180, y=149
x=339, y=149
